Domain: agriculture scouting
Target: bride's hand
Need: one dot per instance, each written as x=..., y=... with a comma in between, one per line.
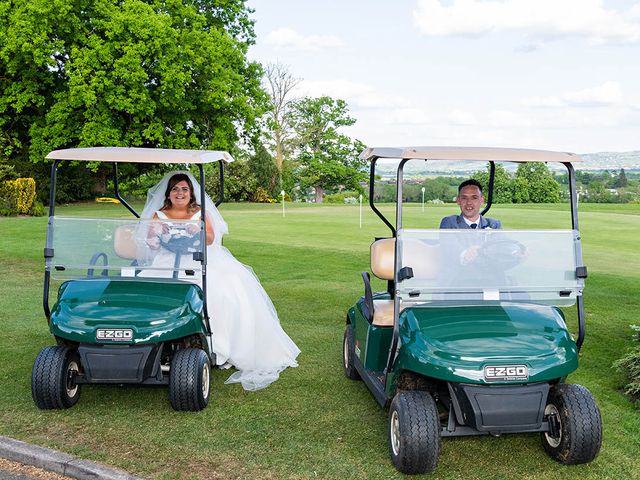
x=153, y=243
x=158, y=228
x=192, y=228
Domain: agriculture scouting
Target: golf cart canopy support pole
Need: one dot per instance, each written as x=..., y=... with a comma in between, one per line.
x=203, y=241
x=492, y=175
x=116, y=191
x=221, y=198
x=48, y=248
x=372, y=180
x=573, y=195
x=393, y=351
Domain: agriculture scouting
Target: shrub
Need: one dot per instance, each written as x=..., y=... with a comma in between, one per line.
x=342, y=197
x=630, y=366
x=37, y=210
x=260, y=195
x=5, y=207
x=20, y=195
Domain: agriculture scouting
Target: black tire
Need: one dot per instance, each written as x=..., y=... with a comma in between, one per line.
x=578, y=435
x=190, y=380
x=414, y=432
x=52, y=378
x=348, y=352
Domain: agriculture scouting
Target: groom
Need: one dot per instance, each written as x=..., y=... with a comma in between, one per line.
x=470, y=200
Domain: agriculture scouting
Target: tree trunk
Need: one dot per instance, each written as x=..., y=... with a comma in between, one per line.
x=279, y=158
x=100, y=186
x=319, y=194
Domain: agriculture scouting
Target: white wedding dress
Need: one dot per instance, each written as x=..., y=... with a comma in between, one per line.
x=246, y=332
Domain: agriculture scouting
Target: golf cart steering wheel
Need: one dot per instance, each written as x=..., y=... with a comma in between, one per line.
x=502, y=254
x=94, y=263
x=180, y=241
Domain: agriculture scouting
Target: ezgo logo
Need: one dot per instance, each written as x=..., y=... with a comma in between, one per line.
x=506, y=373
x=114, y=334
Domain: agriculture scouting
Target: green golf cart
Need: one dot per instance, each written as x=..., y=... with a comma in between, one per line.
x=118, y=319
x=469, y=337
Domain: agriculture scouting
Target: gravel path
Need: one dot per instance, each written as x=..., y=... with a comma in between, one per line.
x=10, y=470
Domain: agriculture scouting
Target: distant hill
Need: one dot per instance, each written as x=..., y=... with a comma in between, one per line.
x=630, y=161
x=594, y=162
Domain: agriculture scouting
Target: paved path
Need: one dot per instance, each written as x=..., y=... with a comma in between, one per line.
x=63, y=466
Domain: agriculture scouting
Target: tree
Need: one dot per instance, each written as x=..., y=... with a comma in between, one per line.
x=439, y=188
x=264, y=169
x=239, y=181
x=153, y=73
x=327, y=158
x=521, y=190
x=280, y=85
x=621, y=181
x=539, y=182
x=503, y=185
x=7, y=172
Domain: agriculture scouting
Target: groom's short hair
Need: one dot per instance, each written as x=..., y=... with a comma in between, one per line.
x=470, y=182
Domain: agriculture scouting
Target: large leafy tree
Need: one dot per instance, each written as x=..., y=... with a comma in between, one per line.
x=327, y=159
x=502, y=184
x=538, y=182
x=165, y=73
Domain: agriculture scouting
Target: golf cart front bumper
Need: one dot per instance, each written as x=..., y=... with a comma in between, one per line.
x=121, y=364
x=496, y=409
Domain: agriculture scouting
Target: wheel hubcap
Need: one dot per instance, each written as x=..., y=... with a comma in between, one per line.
x=552, y=414
x=70, y=384
x=205, y=380
x=345, y=352
x=395, y=432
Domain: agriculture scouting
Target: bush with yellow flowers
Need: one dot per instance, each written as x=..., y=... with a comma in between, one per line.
x=19, y=197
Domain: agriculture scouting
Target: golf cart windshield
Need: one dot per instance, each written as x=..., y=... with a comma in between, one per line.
x=481, y=266
x=87, y=247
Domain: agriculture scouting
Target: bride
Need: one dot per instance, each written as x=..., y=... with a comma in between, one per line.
x=246, y=330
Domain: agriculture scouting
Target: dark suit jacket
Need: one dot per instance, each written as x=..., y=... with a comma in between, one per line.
x=457, y=221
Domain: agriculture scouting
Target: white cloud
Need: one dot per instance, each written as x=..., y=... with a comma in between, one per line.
x=543, y=19
x=358, y=95
x=505, y=118
x=404, y=116
x=537, y=101
x=286, y=38
x=460, y=117
x=607, y=94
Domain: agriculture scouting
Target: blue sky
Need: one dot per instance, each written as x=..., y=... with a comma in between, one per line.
x=550, y=74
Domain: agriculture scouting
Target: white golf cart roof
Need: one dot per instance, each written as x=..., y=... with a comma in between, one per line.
x=466, y=154
x=140, y=155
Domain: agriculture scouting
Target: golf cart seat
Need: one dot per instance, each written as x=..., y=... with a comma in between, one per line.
x=380, y=311
x=124, y=241
x=423, y=260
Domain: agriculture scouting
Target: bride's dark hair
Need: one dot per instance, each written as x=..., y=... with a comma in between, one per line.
x=177, y=178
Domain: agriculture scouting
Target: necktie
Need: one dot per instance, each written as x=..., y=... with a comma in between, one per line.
x=474, y=225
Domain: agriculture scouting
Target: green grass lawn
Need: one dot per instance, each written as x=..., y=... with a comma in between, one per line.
x=313, y=422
